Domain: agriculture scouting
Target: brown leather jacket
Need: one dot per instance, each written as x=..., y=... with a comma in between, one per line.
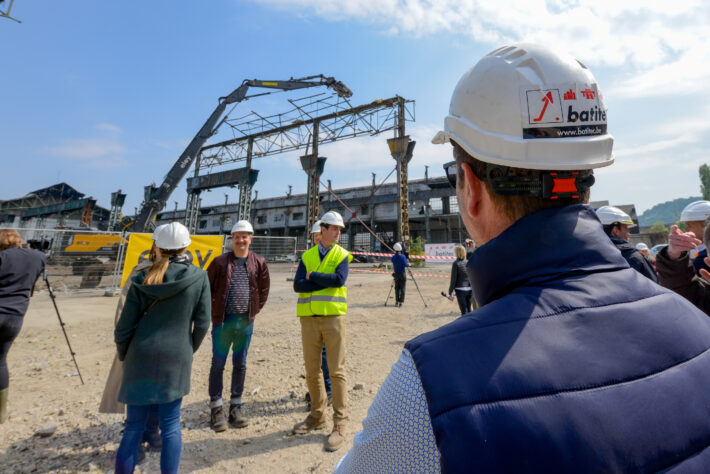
x=220, y=275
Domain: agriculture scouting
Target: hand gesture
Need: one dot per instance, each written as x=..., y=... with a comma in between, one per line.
x=704, y=273
x=679, y=242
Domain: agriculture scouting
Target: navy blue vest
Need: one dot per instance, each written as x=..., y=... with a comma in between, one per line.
x=574, y=363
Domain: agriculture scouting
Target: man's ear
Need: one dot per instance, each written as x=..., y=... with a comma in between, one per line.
x=472, y=188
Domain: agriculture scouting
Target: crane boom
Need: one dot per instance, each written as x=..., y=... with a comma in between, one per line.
x=156, y=198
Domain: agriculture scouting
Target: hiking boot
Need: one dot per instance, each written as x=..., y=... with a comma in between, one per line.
x=155, y=442
x=217, y=421
x=3, y=405
x=336, y=438
x=236, y=419
x=308, y=425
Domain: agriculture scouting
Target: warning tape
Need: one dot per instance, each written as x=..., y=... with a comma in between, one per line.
x=413, y=257
x=385, y=273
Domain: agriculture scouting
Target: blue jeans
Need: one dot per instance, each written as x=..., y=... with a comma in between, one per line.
x=169, y=419
x=234, y=332
x=326, y=373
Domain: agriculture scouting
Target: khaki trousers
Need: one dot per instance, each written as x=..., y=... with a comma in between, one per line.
x=316, y=330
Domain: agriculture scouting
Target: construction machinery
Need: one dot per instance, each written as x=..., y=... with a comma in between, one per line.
x=156, y=198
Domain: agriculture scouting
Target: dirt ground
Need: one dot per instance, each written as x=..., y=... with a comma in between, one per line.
x=45, y=391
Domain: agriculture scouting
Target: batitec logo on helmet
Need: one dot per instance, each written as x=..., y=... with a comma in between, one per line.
x=525, y=106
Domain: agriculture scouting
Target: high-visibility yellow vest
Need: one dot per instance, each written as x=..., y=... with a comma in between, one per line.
x=328, y=301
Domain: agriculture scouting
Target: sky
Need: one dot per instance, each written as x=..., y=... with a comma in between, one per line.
x=106, y=95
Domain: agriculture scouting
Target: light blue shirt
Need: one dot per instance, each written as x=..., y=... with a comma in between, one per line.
x=396, y=435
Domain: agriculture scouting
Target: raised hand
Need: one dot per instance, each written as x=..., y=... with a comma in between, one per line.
x=679, y=242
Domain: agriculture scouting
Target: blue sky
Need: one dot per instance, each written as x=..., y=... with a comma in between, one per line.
x=105, y=95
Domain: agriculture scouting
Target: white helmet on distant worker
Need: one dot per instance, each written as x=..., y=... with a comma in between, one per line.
x=316, y=227
x=528, y=107
x=242, y=226
x=332, y=218
x=157, y=231
x=173, y=236
x=397, y=247
x=613, y=215
x=641, y=246
x=695, y=211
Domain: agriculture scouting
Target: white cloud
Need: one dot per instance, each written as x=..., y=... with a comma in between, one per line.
x=662, y=49
x=108, y=127
x=92, y=152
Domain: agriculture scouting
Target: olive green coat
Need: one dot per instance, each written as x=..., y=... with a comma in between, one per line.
x=156, y=347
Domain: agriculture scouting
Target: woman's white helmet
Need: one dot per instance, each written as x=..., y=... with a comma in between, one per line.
x=613, y=215
x=157, y=231
x=173, y=236
x=316, y=227
x=641, y=246
x=528, y=107
x=397, y=247
x=695, y=211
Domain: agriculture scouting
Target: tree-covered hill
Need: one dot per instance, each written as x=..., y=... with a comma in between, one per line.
x=666, y=212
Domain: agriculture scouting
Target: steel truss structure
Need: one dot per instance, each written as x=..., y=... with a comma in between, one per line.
x=312, y=121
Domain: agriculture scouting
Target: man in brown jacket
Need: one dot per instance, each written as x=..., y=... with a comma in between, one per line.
x=677, y=272
x=239, y=281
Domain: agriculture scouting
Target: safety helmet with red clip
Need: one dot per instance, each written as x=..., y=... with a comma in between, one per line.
x=525, y=106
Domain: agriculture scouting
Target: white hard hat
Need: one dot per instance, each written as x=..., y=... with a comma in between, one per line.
x=612, y=215
x=641, y=246
x=173, y=236
x=332, y=218
x=316, y=227
x=157, y=231
x=695, y=211
x=397, y=247
x=528, y=107
x=242, y=226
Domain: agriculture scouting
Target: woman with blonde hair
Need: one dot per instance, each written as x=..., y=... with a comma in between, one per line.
x=109, y=400
x=459, y=281
x=19, y=269
x=163, y=322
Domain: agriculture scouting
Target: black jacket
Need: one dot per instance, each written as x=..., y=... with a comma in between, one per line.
x=19, y=270
x=459, y=277
x=636, y=260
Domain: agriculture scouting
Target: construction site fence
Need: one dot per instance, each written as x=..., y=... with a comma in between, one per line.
x=92, y=260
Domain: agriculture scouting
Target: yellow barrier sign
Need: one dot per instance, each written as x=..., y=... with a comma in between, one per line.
x=201, y=252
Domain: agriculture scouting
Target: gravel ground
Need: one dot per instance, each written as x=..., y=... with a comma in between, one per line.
x=46, y=396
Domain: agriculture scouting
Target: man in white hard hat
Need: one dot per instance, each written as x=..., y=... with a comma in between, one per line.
x=574, y=362
x=316, y=233
x=695, y=216
x=616, y=225
x=399, y=269
x=239, y=281
x=316, y=236
x=321, y=308
x=677, y=272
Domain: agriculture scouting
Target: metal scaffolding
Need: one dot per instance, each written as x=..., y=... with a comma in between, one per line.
x=312, y=121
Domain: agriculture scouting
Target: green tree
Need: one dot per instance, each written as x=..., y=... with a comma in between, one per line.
x=416, y=247
x=658, y=228
x=704, y=172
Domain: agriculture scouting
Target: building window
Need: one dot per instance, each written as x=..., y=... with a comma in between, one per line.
x=261, y=219
x=436, y=205
x=453, y=205
x=203, y=223
x=297, y=216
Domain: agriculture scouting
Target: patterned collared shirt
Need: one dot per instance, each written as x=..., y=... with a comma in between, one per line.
x=396, y=435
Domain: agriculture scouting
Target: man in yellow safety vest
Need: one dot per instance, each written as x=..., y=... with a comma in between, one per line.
x=322, y=304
